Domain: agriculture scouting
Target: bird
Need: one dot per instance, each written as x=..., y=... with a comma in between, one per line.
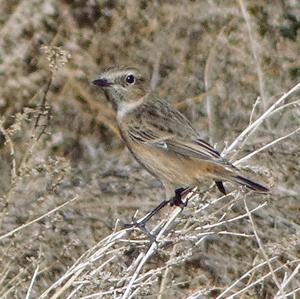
x=162, y=139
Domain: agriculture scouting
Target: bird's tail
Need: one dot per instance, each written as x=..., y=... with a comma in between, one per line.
x=249, y=183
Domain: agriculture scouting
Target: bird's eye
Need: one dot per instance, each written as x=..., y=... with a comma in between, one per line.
x=130, y=79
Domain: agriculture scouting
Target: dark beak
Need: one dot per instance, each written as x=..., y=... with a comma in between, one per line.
x=102, y=82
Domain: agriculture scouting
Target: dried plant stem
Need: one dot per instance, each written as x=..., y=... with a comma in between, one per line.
x=233, y=219
x=216, y=129
x=4, y=272
x=155, y=74
x=13, y=171
x=12, y=153
x=291, y=293
x=288, y=280
x=164, y=279
x=254, y=52
x=266, y=146
x=66, y=285
x=263, y=251
x=10, y=233
x=253, y=110
x=262, y=278
x=154, y=247
x=150, y=252
x=181, y=104
x=166, y=272
x=293, y=103
x=87, y=258
x=42, y=107
x=245, y=275
x=251, y=128
x=32, y=282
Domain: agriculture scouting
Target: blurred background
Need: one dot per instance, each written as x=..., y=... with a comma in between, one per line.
x=221, y=63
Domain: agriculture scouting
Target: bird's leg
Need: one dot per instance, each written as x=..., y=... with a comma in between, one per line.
x=174, y=201
x=177, y=199
x=221, y=187
x=142, y=222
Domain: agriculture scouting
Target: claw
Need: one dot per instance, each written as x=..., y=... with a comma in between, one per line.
x=177, y=199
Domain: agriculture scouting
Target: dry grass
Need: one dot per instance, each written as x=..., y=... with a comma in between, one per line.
x=232, y=67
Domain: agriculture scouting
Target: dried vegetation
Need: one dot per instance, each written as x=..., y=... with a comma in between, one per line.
x=66, y=177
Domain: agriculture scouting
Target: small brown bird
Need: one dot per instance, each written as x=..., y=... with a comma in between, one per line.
x=162, y=139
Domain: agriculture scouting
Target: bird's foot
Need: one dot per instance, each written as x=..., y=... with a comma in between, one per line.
x=142, y=222
x=177, y=199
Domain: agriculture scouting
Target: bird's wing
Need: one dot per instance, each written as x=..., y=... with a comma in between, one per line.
x=194, y=148
x=169, y=130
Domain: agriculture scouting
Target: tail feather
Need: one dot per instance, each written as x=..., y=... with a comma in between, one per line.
x=250, y=184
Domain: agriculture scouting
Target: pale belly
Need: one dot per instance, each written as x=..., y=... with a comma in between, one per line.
x=173, y=168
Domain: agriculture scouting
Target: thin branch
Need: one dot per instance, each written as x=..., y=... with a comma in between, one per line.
x=293, y=103
x=287, y=281
x=167, y=270
x=254, y=52
x=263, y=251
x=44, y=101
x=265, y=147
x=155, y=74
x=66, y=285
x=12, y=153
x=253, y=109
x=87, y=258
x=154, y=247
x=246, y=275
x=251, y=128
x=233, y=219
x=32, y=282
x=4, y=273
x=291, y=293
x=150, y=252
x=10, y=233
x=213, y=101
x=181, y=104
x=262, y=278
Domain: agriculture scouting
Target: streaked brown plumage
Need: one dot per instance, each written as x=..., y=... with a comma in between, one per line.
x=161, y=138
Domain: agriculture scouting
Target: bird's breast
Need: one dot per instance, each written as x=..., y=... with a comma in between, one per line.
x=166, y=165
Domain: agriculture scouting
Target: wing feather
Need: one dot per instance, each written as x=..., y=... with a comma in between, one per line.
x=162, y=126
x=150, y=135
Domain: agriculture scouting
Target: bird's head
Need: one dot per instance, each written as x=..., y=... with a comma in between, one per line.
x=122, y=86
